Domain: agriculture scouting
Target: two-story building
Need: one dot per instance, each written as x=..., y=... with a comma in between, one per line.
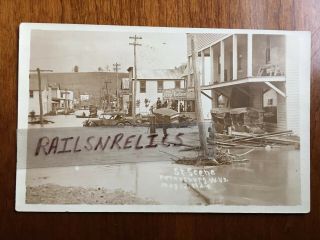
x=249, y=70
x=89, y=88
x=53, y=98
x=34, y=99
x=151, y=86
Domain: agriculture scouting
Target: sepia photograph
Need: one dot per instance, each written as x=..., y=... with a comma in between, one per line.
x=143, y=119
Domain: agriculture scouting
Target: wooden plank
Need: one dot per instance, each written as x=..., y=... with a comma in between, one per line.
x=276, y=89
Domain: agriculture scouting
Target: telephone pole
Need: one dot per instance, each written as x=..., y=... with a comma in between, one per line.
x=116, y=68
x=106, y=95
x=197, y=93
x=135, y=44
x=40, y=91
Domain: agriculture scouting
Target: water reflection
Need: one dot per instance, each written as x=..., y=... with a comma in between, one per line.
x=269, y=178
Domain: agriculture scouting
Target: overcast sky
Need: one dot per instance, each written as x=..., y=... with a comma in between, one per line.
x=62, y=50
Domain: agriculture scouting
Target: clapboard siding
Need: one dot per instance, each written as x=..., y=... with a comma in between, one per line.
x=292, y=84
x=281, y=111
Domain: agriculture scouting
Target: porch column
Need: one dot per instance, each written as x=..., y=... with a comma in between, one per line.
x=235, y=57
x=249, y=54
x=189, y=74
x=203, y=77
x=222, y=61
x=211, y=65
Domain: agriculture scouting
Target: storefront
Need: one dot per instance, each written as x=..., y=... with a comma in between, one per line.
x=181, y=100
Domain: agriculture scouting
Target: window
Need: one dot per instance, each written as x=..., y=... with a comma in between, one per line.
x=61, y=95
x=142, y=86
x=125, y=83
x=177, y=84
x=189, y=106
x=160, y=86
x=270, y=102
x=31, y=94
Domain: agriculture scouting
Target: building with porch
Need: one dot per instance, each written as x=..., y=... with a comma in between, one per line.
x=53, y=98
x=260, y=71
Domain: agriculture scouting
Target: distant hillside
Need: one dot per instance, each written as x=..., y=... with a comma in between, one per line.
x=80, y=82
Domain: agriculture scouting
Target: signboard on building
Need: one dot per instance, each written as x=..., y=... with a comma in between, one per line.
x=125, y=92
x=178, y=94
x=125, y=83
x=84, y=97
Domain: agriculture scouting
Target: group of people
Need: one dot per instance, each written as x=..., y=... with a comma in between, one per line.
x=174, y=105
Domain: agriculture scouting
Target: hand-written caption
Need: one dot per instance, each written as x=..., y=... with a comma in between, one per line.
x=56, y=145
x=196, y=178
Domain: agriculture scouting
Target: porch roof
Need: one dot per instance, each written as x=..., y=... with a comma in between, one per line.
x=244, y=81
x=266, y=81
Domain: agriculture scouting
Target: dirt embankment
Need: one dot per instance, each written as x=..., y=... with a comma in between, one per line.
x=55, y=194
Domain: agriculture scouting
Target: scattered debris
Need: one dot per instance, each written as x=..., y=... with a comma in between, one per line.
x=44, y=121
x=265, y=140
x=221, y=157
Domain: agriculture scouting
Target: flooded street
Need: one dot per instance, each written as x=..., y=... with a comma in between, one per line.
x=60, y=121
x=270, y=177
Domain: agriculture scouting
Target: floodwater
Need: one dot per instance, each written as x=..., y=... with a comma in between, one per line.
x=61, y=121
x=268, y=178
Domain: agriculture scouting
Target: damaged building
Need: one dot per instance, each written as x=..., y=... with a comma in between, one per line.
x=248, y=79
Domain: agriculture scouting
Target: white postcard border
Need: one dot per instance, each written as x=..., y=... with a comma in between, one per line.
x=23, y=84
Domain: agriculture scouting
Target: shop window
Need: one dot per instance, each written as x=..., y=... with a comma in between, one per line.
x=190, y=106
x=160, y=86
x=142, y=86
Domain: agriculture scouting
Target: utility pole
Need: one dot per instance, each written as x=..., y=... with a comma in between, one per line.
x=65, y=102
x=197, y=92
x=40, y=91
x=79, y=98
x=135, y=44
x=116, y=68
x=108, y=95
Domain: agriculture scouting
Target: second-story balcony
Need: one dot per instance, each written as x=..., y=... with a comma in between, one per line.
x=241, y=58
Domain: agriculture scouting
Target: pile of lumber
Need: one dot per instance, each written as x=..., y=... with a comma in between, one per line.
x=274, y=139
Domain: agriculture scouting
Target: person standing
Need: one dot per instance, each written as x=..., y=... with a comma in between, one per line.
x=181, y=107
x=159, y=104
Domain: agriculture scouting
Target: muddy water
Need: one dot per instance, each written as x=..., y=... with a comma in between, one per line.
x=268, y=178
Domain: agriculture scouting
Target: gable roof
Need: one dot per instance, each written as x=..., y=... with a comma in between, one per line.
x=204, y=40
x=159, y=74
